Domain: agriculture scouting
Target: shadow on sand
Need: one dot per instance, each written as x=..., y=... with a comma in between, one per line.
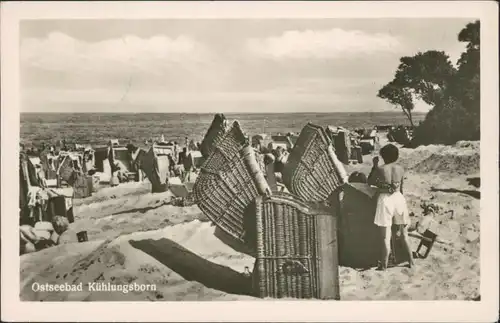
x=140, y=210
x=195, y=268
x=474, y=194
x=474, y=181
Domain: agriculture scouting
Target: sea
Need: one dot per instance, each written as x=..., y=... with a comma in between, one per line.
x=99, y=128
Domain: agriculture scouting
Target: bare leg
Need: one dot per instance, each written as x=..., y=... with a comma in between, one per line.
x=406, y=245
x=385, y=233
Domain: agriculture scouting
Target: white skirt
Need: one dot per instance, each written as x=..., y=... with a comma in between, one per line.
x=391, y=206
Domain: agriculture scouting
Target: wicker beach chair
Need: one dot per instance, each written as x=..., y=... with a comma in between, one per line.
x=156, y=169
x=296, y=245
x=313, y=171
x=229, y=181
x=214, y=135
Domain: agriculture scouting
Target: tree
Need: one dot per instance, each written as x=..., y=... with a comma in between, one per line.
x=453, y=93
x=399, y=97
x=467, y=85
x=425, y=76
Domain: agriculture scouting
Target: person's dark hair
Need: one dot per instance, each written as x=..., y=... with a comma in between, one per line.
x=357, y=177
x=60, y=224
x=268, y=159
x=130, y=147
x=389, y=153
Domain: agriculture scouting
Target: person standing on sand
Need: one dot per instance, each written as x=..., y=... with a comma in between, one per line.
x=115, y=176
x=391, y=204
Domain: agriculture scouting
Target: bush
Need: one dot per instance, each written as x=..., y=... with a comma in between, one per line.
x=446, y=124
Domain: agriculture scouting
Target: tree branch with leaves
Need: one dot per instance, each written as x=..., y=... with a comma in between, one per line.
x=453, y=93
x=398, y=96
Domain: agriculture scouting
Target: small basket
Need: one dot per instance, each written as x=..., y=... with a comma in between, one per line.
x=297, y=253
x=313, y=171
x=214, y=135
x=228, y=183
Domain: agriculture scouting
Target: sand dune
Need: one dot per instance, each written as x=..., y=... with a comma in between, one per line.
x=123, y=260
x=136, y=237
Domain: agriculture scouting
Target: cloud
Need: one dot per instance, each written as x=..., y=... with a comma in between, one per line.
x=322, y=44
x=98, y=100
x=113, y=59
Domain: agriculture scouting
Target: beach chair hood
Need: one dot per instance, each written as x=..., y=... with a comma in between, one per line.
x=313, y=171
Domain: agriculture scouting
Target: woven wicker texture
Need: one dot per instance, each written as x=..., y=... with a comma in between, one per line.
x=288, y=250
x=214, y=135
x=313, y=171
x=228, y=183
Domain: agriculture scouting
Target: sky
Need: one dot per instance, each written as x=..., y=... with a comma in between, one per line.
x=232, y=65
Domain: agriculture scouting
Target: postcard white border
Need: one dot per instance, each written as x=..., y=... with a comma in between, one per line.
x=485, y=310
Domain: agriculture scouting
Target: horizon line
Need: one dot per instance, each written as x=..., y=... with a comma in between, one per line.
x=242, y=112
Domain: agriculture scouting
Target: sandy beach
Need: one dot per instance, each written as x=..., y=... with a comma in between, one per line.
x=136, y=237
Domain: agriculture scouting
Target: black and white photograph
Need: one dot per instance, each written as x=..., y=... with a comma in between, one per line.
x=275, y=159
